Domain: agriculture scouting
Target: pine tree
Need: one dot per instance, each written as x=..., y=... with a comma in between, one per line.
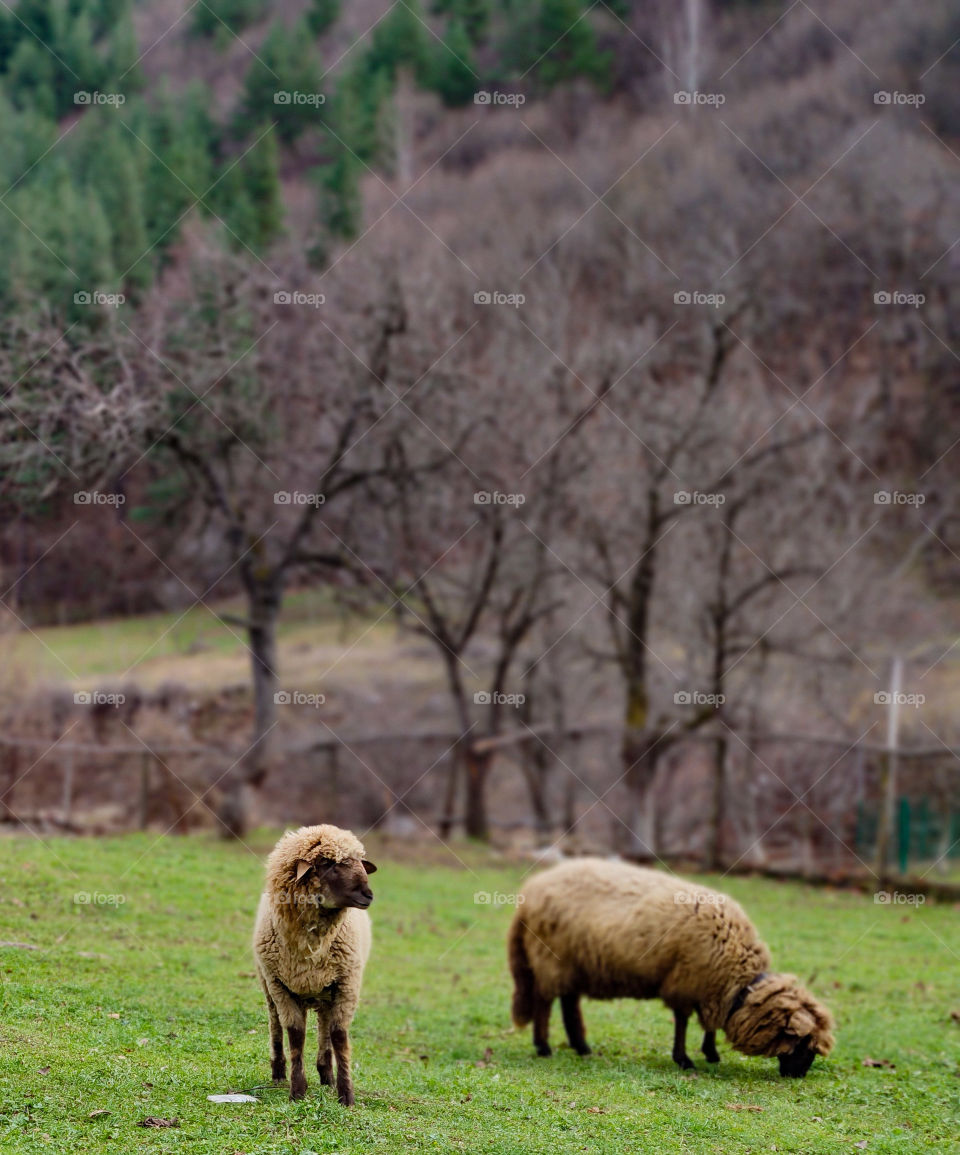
x=401, y=41
x=473, y=15
x=276, y=83
x=566, y=44
x=322, y=15
x=455, y=75
x=30, y=78
x=341, y=207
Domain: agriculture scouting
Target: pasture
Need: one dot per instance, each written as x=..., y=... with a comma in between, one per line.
x=128, y=993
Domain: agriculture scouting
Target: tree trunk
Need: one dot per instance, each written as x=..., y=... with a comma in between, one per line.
x=445, y=826
x=264, y=600
x=475, y=821
x=713, y=859
x=639, y=755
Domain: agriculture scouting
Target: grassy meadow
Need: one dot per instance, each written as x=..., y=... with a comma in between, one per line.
x=138, y=1000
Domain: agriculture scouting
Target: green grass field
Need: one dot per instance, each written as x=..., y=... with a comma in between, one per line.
x=144, y=1007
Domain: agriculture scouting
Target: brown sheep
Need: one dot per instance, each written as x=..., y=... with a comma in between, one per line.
x=610, y=930
x=311, y=943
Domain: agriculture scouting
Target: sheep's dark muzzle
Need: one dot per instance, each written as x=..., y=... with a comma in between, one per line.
x=796, y=1064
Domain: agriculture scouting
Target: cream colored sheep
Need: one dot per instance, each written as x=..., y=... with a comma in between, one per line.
x=610, y=930
x=311, y=943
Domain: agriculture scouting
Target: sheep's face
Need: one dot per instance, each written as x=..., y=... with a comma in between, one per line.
x=335, y=885
x=780, y=1019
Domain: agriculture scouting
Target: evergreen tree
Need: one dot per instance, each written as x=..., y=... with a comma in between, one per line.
x=30, y=78
x=341, y=207
x=566, y=44
x=322, y=15
x=473, y=15
x=286, y=69
x=224, y=18
x=401, y=41
x=455, y=74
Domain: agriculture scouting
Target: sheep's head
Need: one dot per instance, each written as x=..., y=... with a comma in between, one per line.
x=320, y=866
x=335, y=885
x=775, y=1016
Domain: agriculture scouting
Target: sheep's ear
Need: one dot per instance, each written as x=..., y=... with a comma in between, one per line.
x=368, y=866
x=302, y=867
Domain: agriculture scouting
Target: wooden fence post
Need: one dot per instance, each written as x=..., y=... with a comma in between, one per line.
x=143, y=800
x=66, y=800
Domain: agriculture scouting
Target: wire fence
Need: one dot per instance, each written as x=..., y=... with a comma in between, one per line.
x=805, y=804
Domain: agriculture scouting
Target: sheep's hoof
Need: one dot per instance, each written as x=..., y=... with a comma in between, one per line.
x=543, y=1050
x=684, y=1062
x=346, y=1098
x=278, y=1073
x=584, y=1049
x=298, y=1089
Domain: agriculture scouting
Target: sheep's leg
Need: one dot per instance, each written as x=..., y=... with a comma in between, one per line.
x=573, y=1021
x=680, y=1056
x=341, y=1048
x=278, y=1064
x=709, y=1047
x=541, y=1024
x=292, y=1016
x=324, y=1048
x=296, y=1035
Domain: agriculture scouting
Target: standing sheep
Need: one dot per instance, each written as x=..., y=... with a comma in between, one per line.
x=609, y=930
x=311, y=943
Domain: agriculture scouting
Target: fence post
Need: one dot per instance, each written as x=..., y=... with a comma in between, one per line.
x=888, y=778
x=66, y=801
x=903, y=835
x=333, y=781
x=143, y=802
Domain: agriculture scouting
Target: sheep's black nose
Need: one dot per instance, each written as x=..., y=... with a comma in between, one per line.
x=797, y=1063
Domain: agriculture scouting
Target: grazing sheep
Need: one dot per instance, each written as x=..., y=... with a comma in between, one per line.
x=311, y=943
x=609, y=930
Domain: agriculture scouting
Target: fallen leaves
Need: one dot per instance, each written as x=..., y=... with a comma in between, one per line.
x=98, y=1114
x=884, y=1063
x=156, y=1121
x=743, y=1107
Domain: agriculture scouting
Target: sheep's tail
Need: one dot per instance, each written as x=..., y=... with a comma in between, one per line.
x=522, y=1008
